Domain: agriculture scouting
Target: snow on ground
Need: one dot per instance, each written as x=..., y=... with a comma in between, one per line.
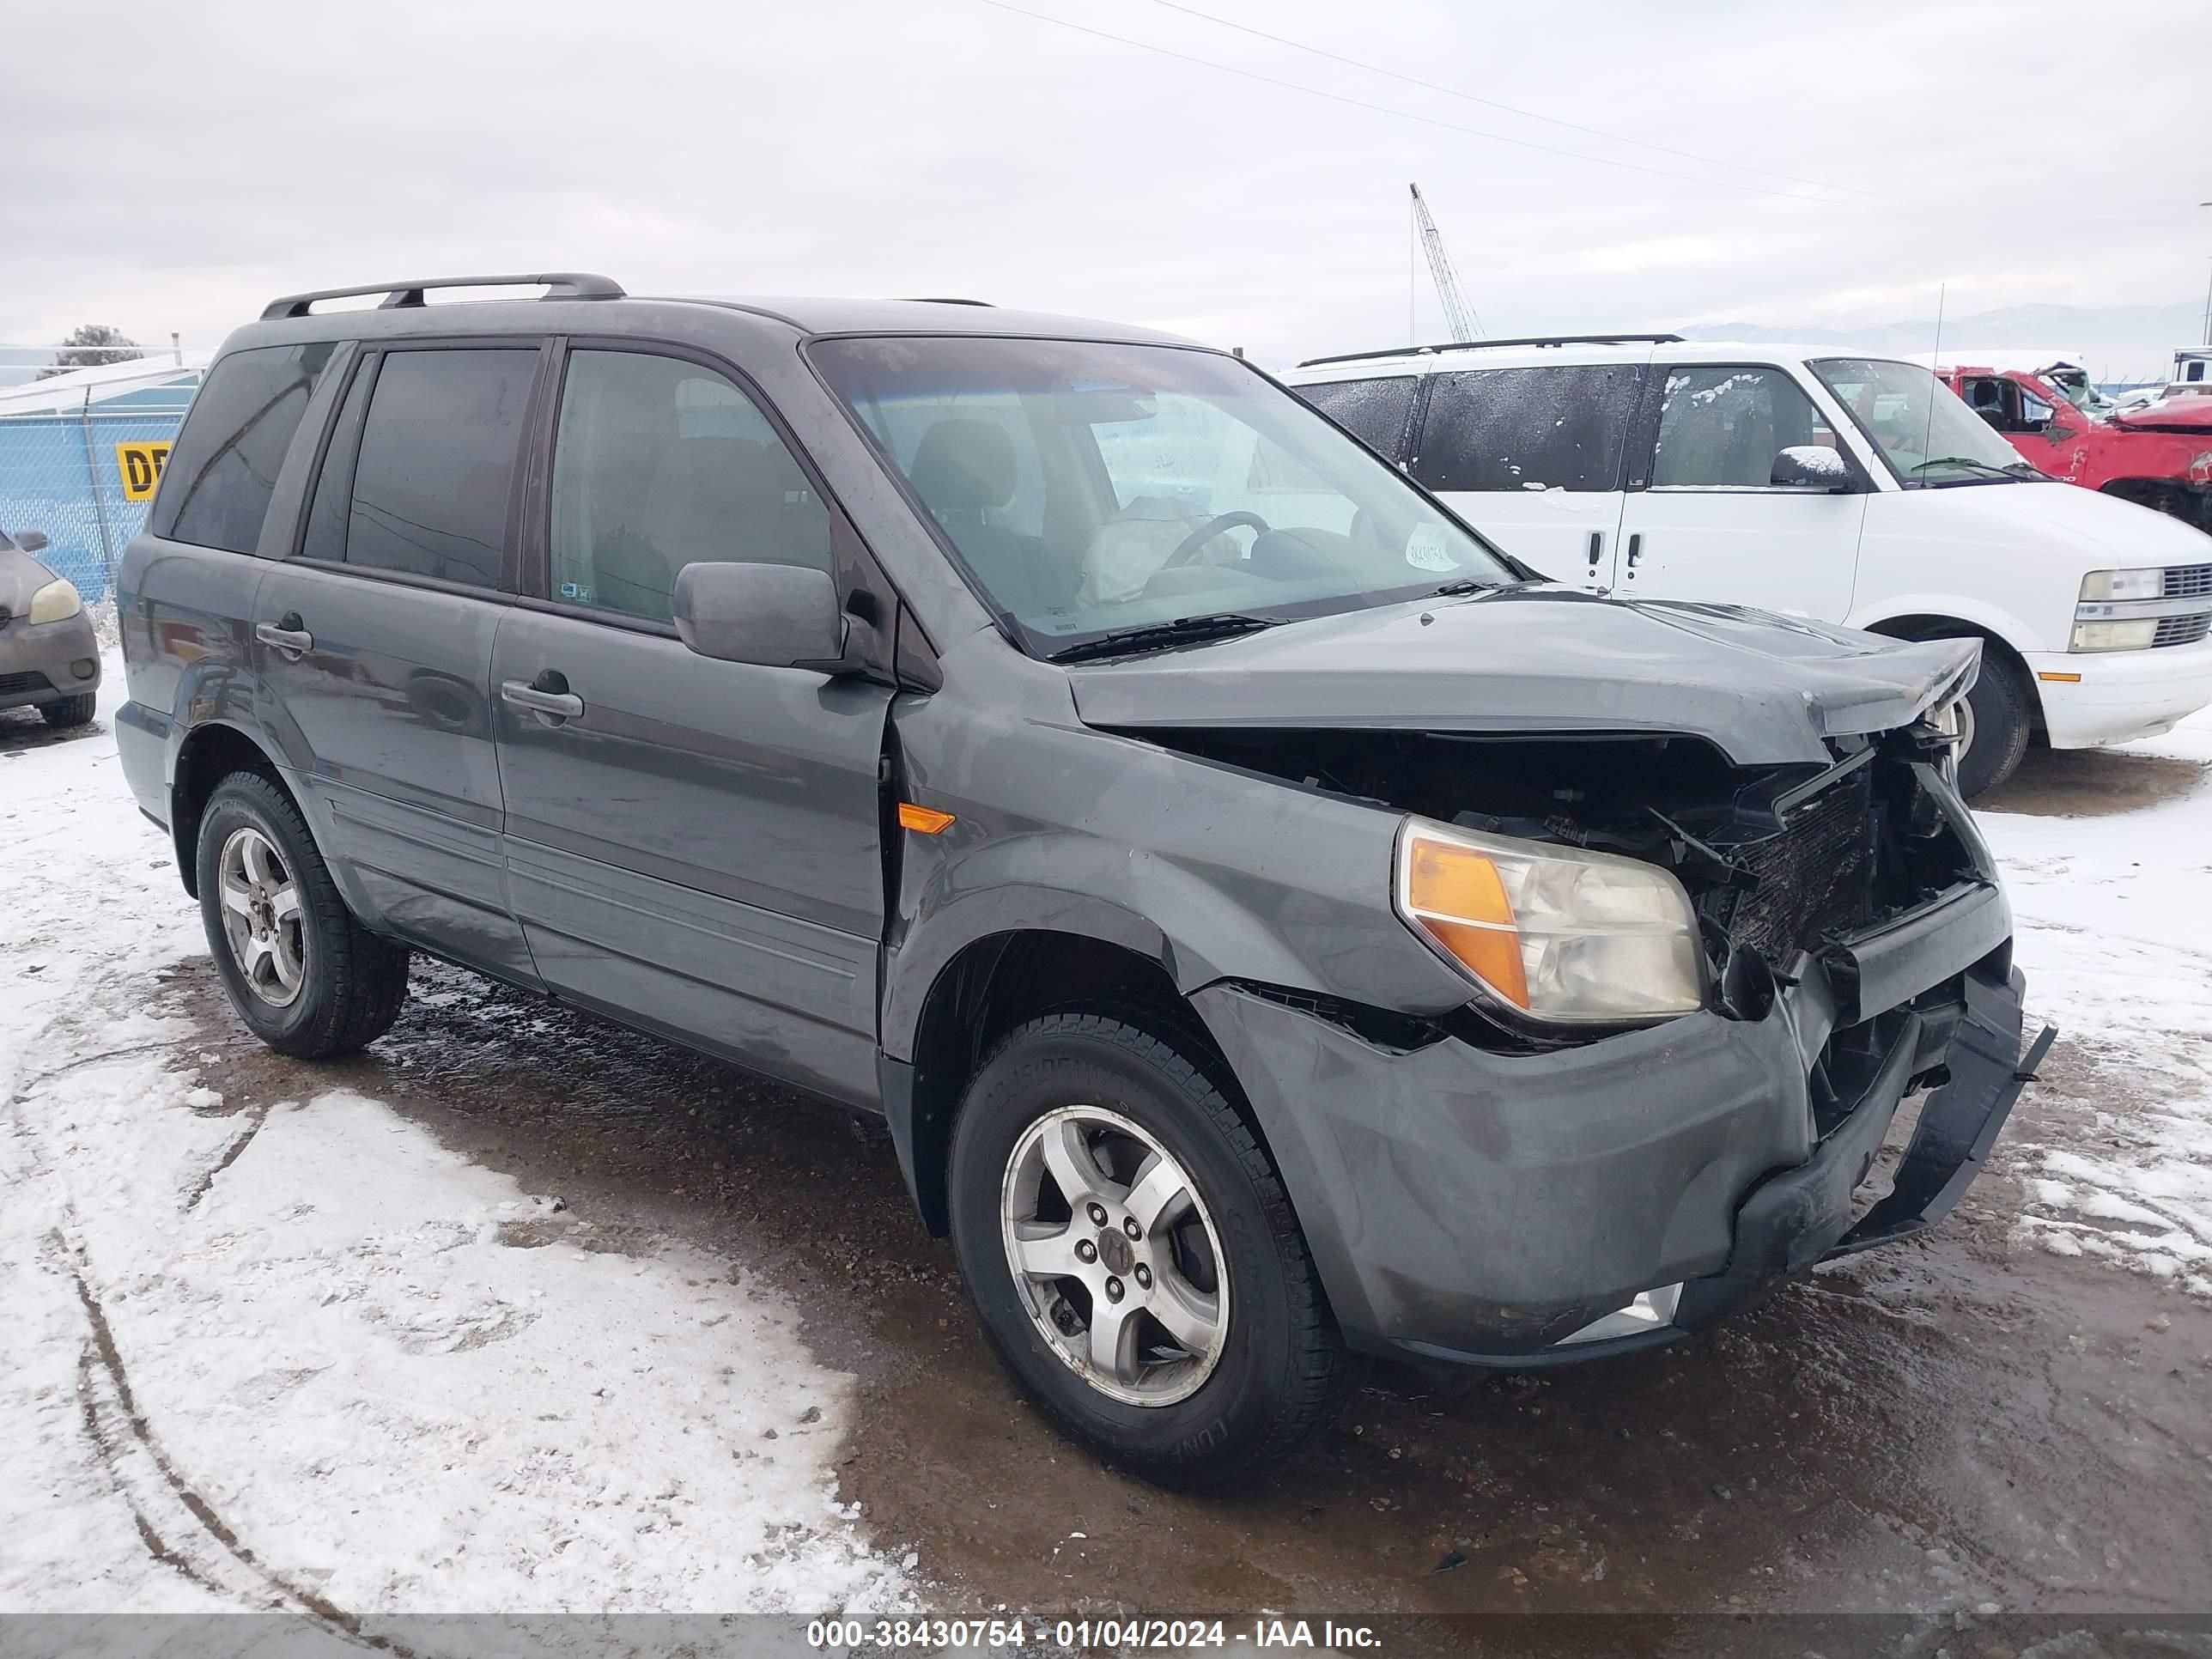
x=2115, y=936
x=305, y=1358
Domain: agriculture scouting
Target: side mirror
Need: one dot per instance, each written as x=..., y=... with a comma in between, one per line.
x=30, y=540
x=775, y=616
x=1811, y=466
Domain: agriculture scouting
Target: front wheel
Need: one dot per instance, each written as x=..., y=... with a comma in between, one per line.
x=65, y=712
x=304, y=975
x=1134, y=1258
x=1995, y=721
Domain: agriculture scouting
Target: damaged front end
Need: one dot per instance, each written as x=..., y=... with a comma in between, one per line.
x=1776, y=861
x=1853, y=946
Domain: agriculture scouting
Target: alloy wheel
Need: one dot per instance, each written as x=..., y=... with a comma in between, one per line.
x=1115, y=1255
x=261, y=917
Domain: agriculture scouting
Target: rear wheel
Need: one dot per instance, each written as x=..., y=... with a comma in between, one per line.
x=1134, y=1257
x=305, y=977
x=65, y=712
x=1994, y=723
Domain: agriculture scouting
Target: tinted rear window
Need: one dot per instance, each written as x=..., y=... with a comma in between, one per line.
x=1373, y=411
x=216, y=486
x=1525, y=428
x=436, y=465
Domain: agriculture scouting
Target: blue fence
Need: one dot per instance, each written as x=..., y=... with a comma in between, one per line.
x=61, y=473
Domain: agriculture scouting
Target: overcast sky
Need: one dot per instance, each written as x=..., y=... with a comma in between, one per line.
x=172, y=166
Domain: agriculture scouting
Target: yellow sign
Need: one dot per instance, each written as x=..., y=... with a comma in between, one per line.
x=141, y=465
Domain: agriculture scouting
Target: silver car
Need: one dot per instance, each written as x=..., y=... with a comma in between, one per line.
x=49, y=656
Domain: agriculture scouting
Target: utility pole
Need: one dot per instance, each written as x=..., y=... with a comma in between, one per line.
x=2207, y=298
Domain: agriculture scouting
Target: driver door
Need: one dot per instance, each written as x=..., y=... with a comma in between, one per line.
x=693, y=845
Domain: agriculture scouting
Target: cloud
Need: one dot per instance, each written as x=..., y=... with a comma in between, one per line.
x=207, y=158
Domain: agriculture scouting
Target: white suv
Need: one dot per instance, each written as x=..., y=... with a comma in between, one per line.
x=1853, y=489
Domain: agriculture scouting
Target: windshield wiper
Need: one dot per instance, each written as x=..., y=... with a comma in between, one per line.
x=1983, y=469
x=1183, y=630
x=1464, y=585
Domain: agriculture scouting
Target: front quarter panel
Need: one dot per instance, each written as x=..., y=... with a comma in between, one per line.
x=1978, y=612
x=1216, y=873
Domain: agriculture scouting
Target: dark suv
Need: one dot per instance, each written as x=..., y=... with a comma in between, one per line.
x=1276, y=926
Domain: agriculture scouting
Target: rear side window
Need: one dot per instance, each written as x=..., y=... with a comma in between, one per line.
x=1374, y=411
x=659, y=464
x=216, y=486
x=1525, y=428
x=1722, y=425
x=436, y=463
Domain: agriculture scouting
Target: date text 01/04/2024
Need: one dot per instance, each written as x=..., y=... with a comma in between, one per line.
x=1015, y=1634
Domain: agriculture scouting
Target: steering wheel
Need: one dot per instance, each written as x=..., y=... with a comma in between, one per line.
x=1187, y=548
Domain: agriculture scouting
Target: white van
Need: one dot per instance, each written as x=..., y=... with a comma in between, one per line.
x=1853, y=489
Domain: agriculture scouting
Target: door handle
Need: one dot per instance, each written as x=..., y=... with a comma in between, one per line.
x=558, y=705
x=287, y=636
x=1596, y=549
x=1635, y=549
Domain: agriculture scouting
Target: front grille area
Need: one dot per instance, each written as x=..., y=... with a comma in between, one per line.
x=30, y=682
x=1815, y=878
x=2188, y=582
x=2182, y=630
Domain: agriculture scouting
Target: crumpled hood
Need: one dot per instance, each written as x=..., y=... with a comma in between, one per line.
x=1765, y=689
x=20, y=576
x=2189, y=412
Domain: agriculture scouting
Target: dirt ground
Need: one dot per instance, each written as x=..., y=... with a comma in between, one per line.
x=1953, y=1422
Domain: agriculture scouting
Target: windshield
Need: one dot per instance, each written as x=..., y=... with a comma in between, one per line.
x=1925, y=434
x=1094, y=489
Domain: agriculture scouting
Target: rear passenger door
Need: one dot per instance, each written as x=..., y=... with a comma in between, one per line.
x=1533, y=458
x=1708, y=523
x=374, y=640
x=693, y=845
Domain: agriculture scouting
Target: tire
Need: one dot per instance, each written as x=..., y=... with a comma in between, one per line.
x=2004, y=716
x=1278, y=1370
x=345, y=984
x=65, y=712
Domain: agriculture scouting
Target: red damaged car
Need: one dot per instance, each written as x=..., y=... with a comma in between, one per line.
x=2160, y=456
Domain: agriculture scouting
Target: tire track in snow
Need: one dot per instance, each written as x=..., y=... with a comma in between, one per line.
x=120, y=1434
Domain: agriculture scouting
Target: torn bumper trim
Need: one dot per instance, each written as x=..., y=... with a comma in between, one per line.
x=1478, y=1209
x=1804, y=1216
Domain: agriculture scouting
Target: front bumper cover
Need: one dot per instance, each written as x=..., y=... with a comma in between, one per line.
x=36, y=660
x=1470, y=1207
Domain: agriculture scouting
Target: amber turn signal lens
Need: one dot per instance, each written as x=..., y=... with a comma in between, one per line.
x=1458, y=882
x=923, y=820
x=1458, y=898
x=1492, y=955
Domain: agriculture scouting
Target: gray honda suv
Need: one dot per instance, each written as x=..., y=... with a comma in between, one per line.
x=1279, y=928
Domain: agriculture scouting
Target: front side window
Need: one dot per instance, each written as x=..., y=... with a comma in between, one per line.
x=1722, y=425
x=1091, y=488
x=658, y=464
x=217, y=484
x=2005, y=404
x=435, y=468
x=1376, y=412
x=1924, y=433
x=1525, y=428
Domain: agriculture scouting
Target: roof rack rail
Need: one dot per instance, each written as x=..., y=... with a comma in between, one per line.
x=560, y=285
x=1491, y=345
x=942, y=300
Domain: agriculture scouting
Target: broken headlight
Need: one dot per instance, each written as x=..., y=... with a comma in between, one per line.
x=1554, y=932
